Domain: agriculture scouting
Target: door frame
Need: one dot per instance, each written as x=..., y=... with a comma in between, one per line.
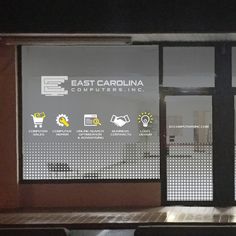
x=164, y=146
x=223, y=139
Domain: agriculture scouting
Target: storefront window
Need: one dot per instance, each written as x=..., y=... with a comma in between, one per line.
x=90, y=112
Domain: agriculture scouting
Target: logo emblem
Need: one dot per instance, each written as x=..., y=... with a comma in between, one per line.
x=51, y=85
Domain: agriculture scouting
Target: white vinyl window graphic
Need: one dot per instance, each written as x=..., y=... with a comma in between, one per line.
x=51, y=85
x=120, y=121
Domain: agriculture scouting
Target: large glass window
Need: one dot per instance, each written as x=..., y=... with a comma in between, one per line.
x=90, y=112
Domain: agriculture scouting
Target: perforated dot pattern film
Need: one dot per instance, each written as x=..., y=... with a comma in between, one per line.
x=82, y=161
x=189, y=172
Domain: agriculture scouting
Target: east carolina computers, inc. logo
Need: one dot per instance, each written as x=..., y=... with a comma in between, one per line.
x=51, y=85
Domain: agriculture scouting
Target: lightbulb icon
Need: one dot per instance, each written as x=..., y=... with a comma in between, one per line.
x=145, y=118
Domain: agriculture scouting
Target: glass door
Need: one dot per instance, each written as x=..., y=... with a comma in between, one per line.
x=188, y=153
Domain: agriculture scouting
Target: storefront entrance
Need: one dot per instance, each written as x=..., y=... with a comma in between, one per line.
x=188, y=148
x=196, y=124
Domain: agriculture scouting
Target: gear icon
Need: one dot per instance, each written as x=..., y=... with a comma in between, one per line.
x=62, y=120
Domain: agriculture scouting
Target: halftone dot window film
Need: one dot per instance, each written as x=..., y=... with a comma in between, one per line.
x=189, y=172
x=90, y=113
x=47, y=161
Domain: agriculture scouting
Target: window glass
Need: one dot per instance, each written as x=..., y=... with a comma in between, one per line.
x=90, y=112
x=188, y=66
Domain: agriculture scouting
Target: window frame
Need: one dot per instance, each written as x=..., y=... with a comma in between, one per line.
x=20, y=135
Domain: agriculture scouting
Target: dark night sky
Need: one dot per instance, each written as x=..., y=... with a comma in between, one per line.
x=117, y=16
